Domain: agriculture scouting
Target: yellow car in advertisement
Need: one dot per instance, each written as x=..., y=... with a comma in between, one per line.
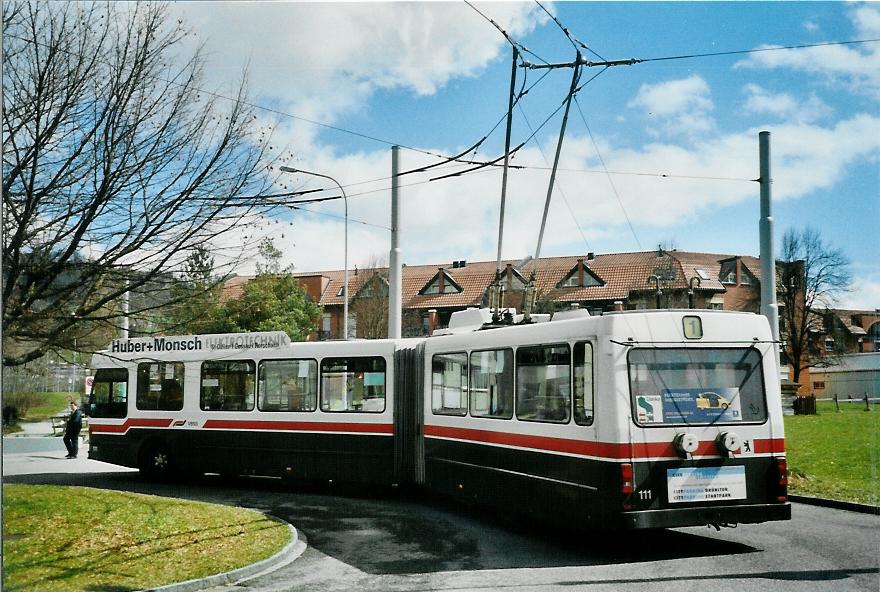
x=710, y=400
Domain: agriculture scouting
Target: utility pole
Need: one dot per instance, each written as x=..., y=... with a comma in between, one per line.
x=395, y=272
x=125, y=304
x=769, y=308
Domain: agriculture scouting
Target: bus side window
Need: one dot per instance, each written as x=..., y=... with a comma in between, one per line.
x=288, y=385
x=491, y=383
x=449, y=384
x=109, y=397
x=543, y=383
x=228, y=385
x=353, y=384
x=583, y=383
x=160, y=386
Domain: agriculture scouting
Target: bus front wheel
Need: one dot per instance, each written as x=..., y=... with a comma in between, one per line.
x=155, y=461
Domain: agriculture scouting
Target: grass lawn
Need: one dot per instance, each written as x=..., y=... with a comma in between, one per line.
x=50, y=404
x=835, y=455
x=47, y=405
x=65, y=539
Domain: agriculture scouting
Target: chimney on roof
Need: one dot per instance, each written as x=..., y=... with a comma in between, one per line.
x=659, y=251
x=591, y=255
x=455, y=265
x=462, y=263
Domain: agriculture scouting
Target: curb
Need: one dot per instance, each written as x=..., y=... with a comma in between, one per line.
x=288, y=554
x=836, y=504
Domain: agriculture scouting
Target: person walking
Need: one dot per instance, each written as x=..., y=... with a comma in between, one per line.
x=71, y=432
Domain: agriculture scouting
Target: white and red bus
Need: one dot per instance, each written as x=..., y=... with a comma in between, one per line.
x=631, y=419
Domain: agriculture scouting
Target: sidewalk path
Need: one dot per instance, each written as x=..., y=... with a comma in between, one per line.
x=35, y=450
x=43, y=462
x=33, y=428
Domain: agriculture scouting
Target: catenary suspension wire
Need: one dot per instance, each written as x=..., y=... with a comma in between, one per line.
x=574, y=40
x=261, y=107
x=559, y=185
x=758, y=50
x=610, y=179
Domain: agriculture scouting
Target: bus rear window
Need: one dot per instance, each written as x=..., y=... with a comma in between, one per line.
x=696, y=386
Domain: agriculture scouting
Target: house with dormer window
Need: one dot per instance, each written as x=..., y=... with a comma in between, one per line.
x=598, y=283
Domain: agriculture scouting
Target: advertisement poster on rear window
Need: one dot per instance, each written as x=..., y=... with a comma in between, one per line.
x=689, y=405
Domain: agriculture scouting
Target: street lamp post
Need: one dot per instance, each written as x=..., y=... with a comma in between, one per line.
x=287, y=169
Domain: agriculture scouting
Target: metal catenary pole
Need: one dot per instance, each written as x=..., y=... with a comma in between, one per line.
x=395, y=273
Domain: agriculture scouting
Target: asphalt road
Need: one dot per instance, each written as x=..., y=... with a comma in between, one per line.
x=379, y=540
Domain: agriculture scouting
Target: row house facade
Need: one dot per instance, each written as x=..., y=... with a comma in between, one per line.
x=596, y=282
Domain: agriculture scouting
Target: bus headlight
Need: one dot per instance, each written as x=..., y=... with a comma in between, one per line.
x=728, y=442
x=685, y=444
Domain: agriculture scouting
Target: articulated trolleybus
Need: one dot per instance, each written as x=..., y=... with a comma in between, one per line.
x=626, y=420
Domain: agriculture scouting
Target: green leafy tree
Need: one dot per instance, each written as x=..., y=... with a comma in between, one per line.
x=197, y=295
x=271, y=255
x=269, y=303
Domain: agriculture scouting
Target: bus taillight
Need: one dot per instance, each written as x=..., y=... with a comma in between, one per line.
x=782, y=483
x=627, y=483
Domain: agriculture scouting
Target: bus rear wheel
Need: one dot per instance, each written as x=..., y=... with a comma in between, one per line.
x=155, y=461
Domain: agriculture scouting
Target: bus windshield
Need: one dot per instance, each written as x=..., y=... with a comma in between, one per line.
x=696, y=386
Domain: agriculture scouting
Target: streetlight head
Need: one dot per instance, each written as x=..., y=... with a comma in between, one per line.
x=288, y=169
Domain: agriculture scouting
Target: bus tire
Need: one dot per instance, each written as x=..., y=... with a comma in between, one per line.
x=155, y=461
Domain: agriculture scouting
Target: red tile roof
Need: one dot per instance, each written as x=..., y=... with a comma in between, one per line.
x=621, y=274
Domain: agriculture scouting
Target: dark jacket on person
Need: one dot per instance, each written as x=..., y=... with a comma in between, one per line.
x=74, y=422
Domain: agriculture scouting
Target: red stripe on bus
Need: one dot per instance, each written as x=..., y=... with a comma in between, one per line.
x=774, y=445
x=586, y=448
x=300, y=426
x=129, y=423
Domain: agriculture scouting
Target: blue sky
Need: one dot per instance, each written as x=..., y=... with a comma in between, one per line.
x=435, y=76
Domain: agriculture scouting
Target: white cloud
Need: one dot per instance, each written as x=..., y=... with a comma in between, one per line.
x=784, y=105
x=320, y=60
x=857, y=67
x=810, y=26
x=863, y=295
x=336, y=60
x=681, y=107
x=457, y=218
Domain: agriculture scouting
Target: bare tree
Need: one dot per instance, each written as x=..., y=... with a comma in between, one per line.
x=115, y=166
x=370, y=303
x=810, y=277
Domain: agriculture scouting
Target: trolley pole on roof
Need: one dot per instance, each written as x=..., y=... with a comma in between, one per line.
x=531, y=288
x=395, y=273
x=495, y=294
